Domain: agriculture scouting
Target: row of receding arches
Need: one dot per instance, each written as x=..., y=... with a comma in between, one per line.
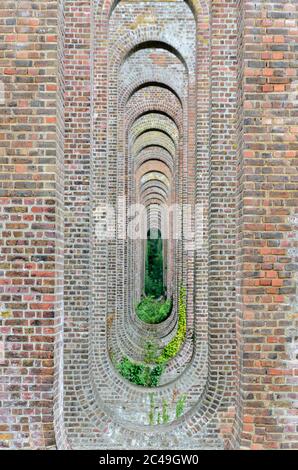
x=153, y=92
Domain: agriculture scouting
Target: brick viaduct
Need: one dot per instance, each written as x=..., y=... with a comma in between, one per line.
x=155, y=103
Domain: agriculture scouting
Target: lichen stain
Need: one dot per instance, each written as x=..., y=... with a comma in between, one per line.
x=143, y=20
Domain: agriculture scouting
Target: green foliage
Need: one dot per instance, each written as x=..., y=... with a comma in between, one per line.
x=151, y=352
x=154, y=265
x=174, y=346
x=165, y=414
x=180, y=406
x=155, y=374
x=140, y=374
x=153, y=311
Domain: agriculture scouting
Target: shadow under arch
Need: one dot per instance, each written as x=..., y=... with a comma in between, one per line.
x=155, y=129
x=155, y=45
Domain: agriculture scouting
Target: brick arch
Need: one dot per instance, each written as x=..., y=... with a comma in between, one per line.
x=165, y=132
x=153, y=188
x=95, y=420
x=157, y=121
x=144, y=82
x=151, y=178
x=155, y=105
x=155, y=198
x=155, y=44
x=159, y=155
x=147, y=38
x=162, y=107
x=150, y=166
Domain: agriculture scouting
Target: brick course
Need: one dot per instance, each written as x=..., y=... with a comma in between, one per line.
x=95, y=96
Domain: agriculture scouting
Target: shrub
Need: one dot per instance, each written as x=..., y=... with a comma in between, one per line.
x=139, y=374
x=165, y=414
x=151, y=352
x=174, y=346
x=153, y=311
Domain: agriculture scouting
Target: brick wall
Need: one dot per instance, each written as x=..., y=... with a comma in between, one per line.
x=95, y=95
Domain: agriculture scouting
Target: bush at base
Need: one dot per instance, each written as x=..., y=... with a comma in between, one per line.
x=154, y=311
x=174, y=346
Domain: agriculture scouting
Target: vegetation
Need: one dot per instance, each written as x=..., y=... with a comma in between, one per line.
x=180, y=406
x=154, y=311
x=154, y=285
x=139, y=374
x=174, y=346
x=163, y=416
x=149, y=376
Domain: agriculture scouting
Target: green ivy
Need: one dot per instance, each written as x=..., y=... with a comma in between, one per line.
x=174, y=346
x=139, y=374
x=154, y=311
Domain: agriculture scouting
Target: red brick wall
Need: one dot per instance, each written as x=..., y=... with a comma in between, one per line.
x=30, y=192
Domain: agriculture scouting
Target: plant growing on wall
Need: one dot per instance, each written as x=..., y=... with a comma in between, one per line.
x=154, y=311
x=139, y=374
x=151, y=352
x=180, y=406
x=174, y=346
